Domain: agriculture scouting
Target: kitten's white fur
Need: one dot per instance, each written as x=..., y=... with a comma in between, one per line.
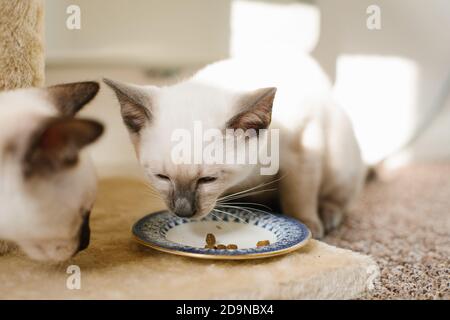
x=41, y=214
x=321, y=166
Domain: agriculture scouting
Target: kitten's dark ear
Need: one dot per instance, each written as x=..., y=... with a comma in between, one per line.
x=135, y=104
x=69, y=98
x=56, y=144
x=254, y=110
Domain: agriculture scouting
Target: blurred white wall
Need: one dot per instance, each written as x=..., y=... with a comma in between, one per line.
x=391, y=80
x=269, y=27
x=139, y=32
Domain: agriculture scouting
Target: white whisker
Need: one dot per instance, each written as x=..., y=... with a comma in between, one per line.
x=254, y=209
x=232, y=215
x=252, y=188
x=235, y=207
x=214, y=215
x=245, y=195
x=152, y=193
x=250, y=203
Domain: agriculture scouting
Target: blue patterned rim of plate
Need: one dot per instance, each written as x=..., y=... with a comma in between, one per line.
x=151, y=230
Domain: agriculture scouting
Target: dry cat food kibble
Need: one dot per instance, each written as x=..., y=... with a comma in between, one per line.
x=211, y=244
x=262, y=243
x=210, y=239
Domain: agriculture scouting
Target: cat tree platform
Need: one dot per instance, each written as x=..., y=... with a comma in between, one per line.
x=115, y=267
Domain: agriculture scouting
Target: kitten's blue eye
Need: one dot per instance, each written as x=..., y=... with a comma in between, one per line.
x=162, y=177
x=207, y=179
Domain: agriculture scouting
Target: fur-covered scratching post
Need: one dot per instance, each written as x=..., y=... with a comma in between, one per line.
x=21, y=44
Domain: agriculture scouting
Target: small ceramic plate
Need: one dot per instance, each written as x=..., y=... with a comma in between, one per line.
x=166, y=232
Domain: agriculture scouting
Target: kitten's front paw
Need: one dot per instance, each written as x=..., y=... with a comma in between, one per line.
x=316, y=228
x=331, y=215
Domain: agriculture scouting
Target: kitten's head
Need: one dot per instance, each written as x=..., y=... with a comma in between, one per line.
x=153, y=114
x=47, y=187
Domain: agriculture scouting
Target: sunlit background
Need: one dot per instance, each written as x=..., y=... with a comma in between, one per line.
x=394, y=82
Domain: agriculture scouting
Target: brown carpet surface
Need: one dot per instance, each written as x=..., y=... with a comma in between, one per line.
x=403, y=222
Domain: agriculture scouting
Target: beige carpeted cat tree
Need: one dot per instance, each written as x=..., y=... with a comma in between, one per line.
x=114, y=266
x=21, y=44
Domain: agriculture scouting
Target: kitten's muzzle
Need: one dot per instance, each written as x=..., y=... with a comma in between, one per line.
x=184, y=208
x=85, y=233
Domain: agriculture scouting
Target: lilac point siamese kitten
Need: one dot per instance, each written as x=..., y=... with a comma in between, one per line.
x=47, y=184
x=320, y=166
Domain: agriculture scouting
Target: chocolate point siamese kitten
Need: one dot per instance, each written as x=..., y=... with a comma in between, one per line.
x=320, y=167
x=47, y=182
